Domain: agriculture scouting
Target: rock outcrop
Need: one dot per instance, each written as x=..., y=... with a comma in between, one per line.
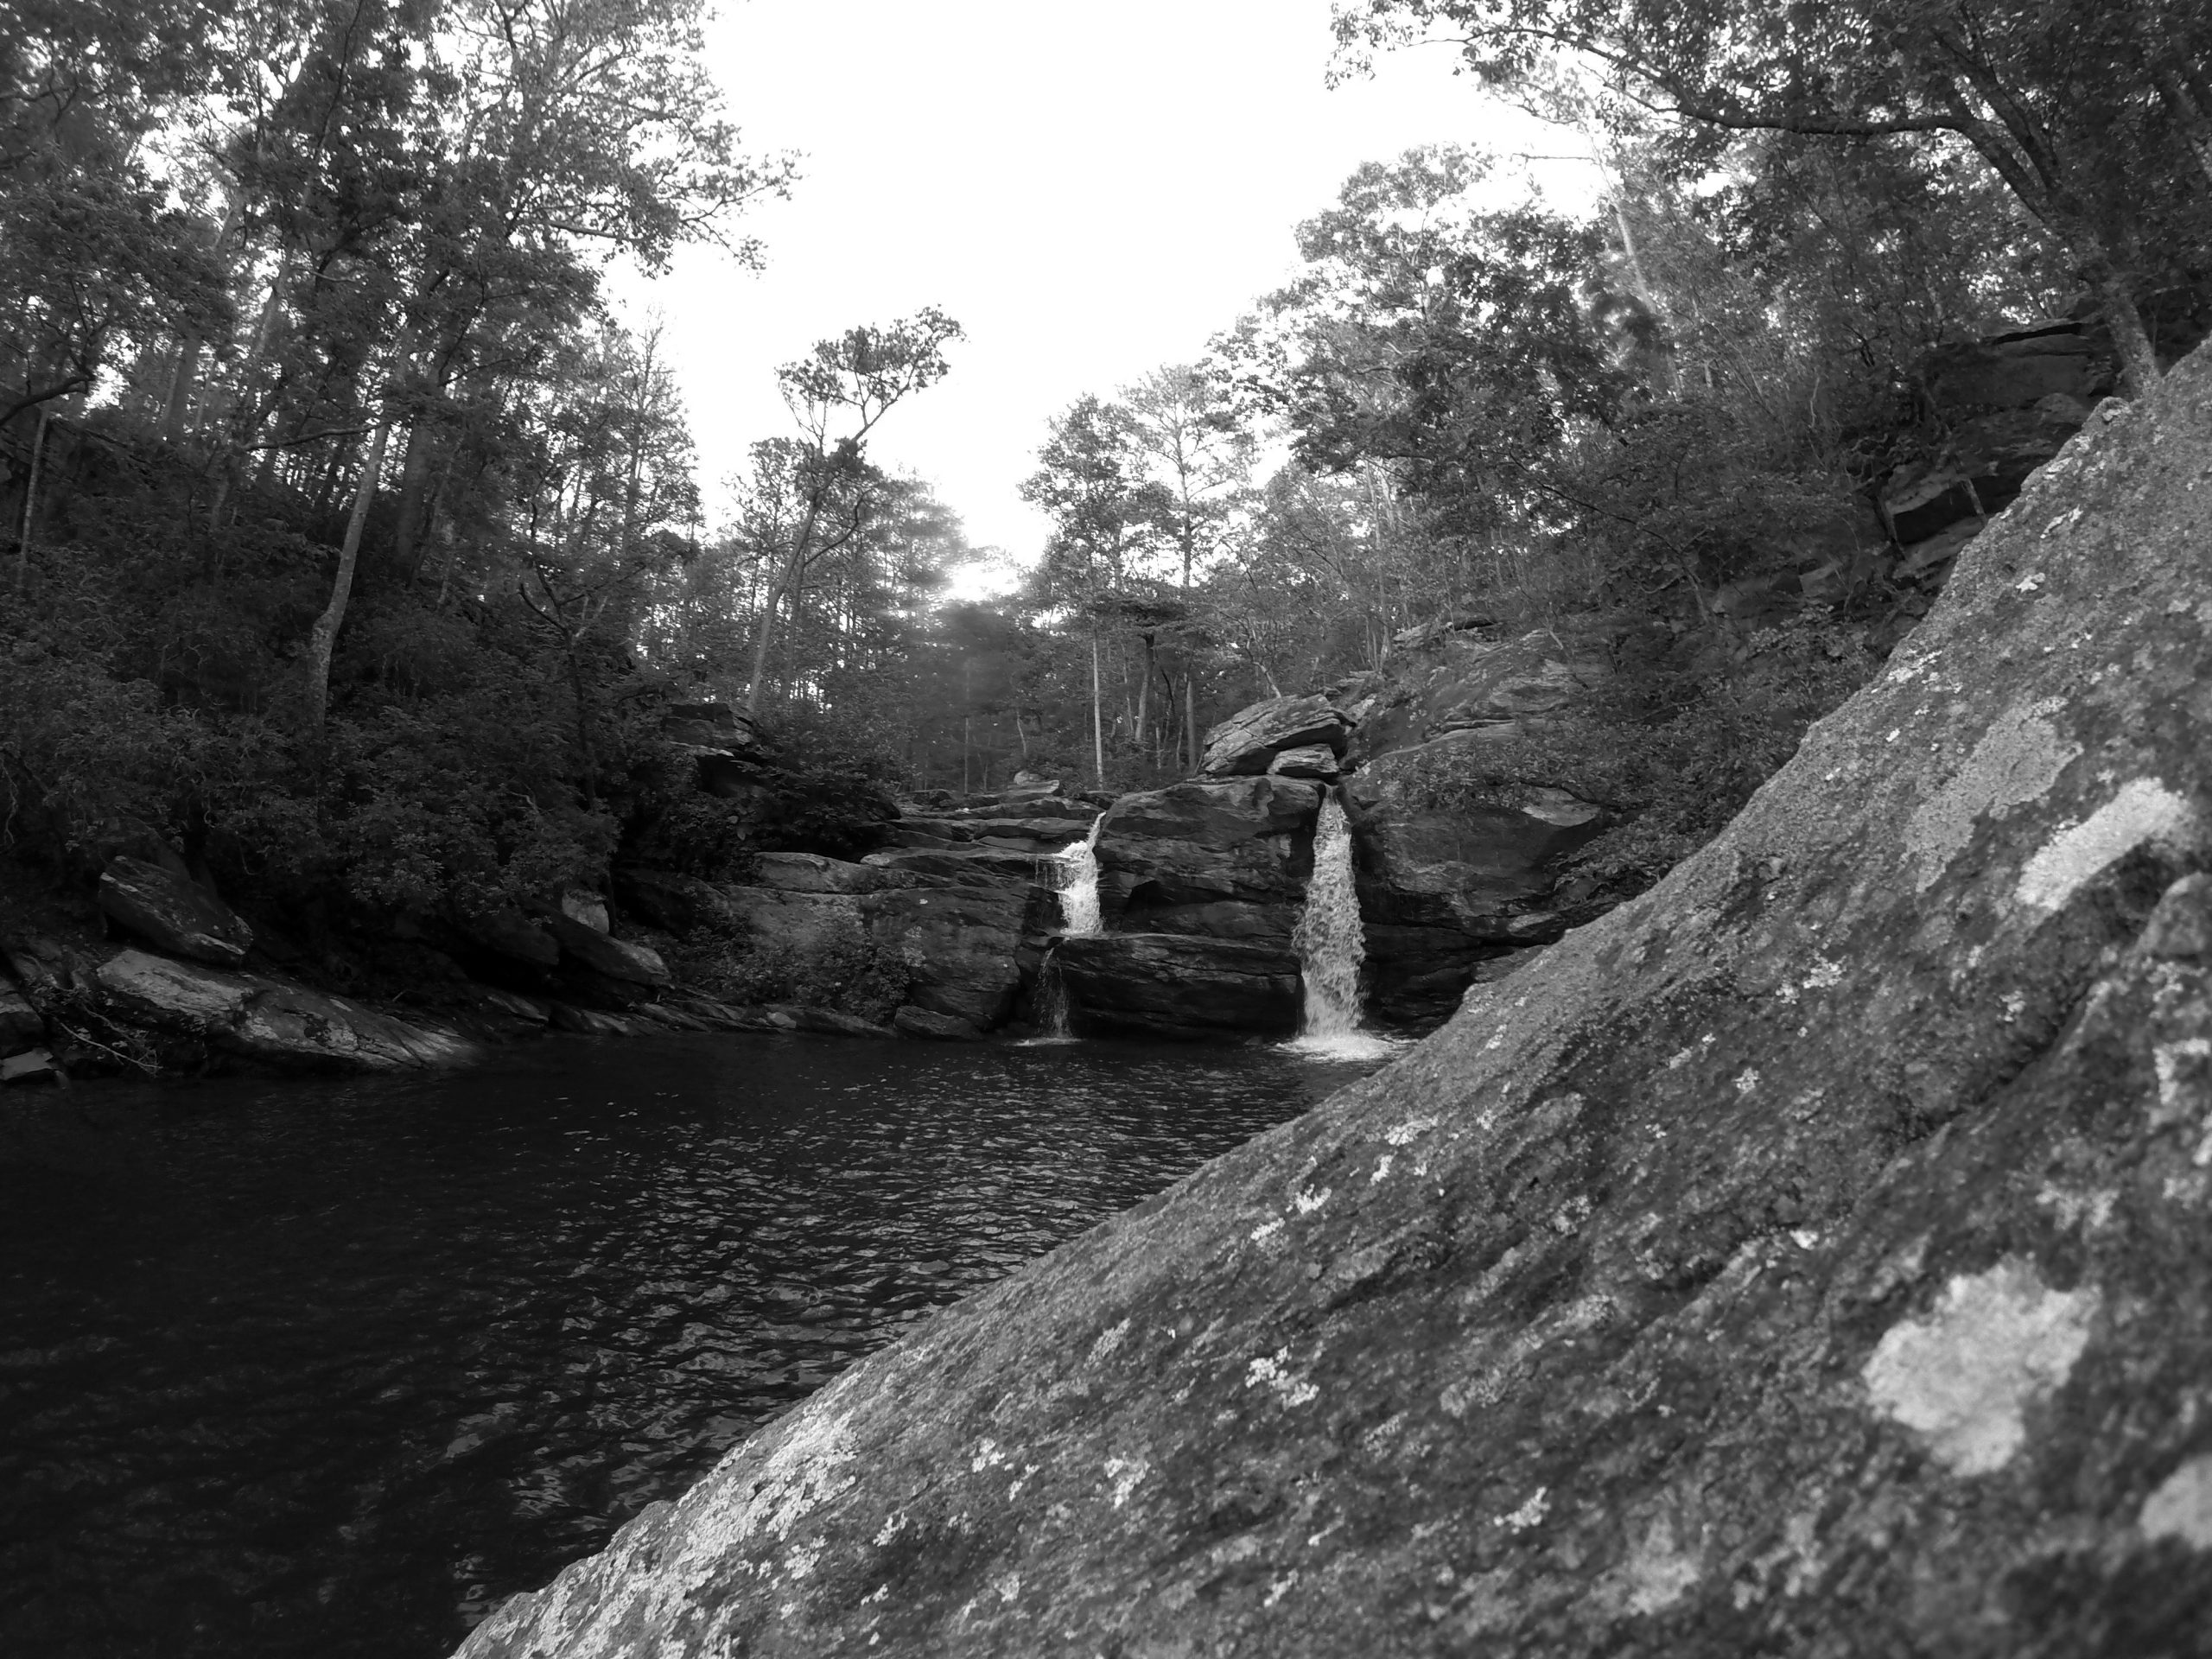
x=1442, y=891
x=172, y=912
x=266, y=1020
x=1806, y=1257
x=1245, y=839
x=1181, y=986
x=1248, y=742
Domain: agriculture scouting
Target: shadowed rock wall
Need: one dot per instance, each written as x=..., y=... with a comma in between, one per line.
x=1808, y=1257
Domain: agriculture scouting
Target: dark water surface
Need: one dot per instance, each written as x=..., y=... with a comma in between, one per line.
x=329, y=1368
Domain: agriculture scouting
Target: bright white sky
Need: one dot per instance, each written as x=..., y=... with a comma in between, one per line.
x=1091, y=190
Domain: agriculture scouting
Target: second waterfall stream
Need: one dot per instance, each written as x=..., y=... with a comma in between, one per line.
x=1332, y=945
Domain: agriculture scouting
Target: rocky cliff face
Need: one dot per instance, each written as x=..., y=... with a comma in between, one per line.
x=1807, y=1257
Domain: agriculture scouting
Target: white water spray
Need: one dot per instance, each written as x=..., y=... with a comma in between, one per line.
x=1075, y=879
x=1332, y=945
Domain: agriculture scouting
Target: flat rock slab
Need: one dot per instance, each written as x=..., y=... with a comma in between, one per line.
x=1249, y=739
x=266, y=1020
x=1808, y=1257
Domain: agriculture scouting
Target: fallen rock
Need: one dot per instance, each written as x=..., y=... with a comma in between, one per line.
x=32, y=1066
x=1245, y=743
x=173, y=913
x=1318, y=761
x=618, y=959
x=581, y=905
x=1806, y=1257
x=266, y=1020
x=1181, y=986
x=20, y=1023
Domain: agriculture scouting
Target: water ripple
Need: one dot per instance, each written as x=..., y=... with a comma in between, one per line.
x=329, y=1368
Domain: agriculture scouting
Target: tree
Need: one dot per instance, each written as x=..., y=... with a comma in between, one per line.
x=1106, y=516
x=837, y=394
x=2090, y=113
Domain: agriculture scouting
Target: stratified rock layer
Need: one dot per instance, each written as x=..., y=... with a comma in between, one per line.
x=1807, y=1258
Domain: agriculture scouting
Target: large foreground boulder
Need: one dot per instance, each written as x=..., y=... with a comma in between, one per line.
x=1807, y=1258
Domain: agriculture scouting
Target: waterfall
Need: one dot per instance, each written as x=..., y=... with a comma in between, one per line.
x=1052, y=1001
x=1331, y=946
x=1075, y=877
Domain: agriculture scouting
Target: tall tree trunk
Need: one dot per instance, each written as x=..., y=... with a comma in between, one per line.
x=1097, y=715
x=323, y=641
x=414, y=494
x=1190, y=719
x=793, y=571
x=2197, y=129
x=30, y=508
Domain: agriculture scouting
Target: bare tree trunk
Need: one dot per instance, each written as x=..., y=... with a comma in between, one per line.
x=323, y=641
x=30, y=508
x=1097, y=716
x=1190, y=719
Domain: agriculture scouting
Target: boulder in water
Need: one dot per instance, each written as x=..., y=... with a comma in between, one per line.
x=173, y=913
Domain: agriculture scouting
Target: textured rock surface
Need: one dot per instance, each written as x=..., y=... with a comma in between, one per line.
x=1441, y=891
x=1246, y=839
x=1250, y=738
x=266, y=1020
x=1806, y=1258
x=1180, y=985
x=957, y=949
x=617, y=959
x=818, y=873
x=173, y=913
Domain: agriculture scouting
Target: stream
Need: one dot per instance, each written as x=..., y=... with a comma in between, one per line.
x=329, y=1368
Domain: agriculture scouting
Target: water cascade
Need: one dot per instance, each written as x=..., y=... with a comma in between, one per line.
x=1330, y=945
x=1075, y=879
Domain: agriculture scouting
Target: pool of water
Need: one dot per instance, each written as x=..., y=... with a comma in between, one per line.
x=328, y=1368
